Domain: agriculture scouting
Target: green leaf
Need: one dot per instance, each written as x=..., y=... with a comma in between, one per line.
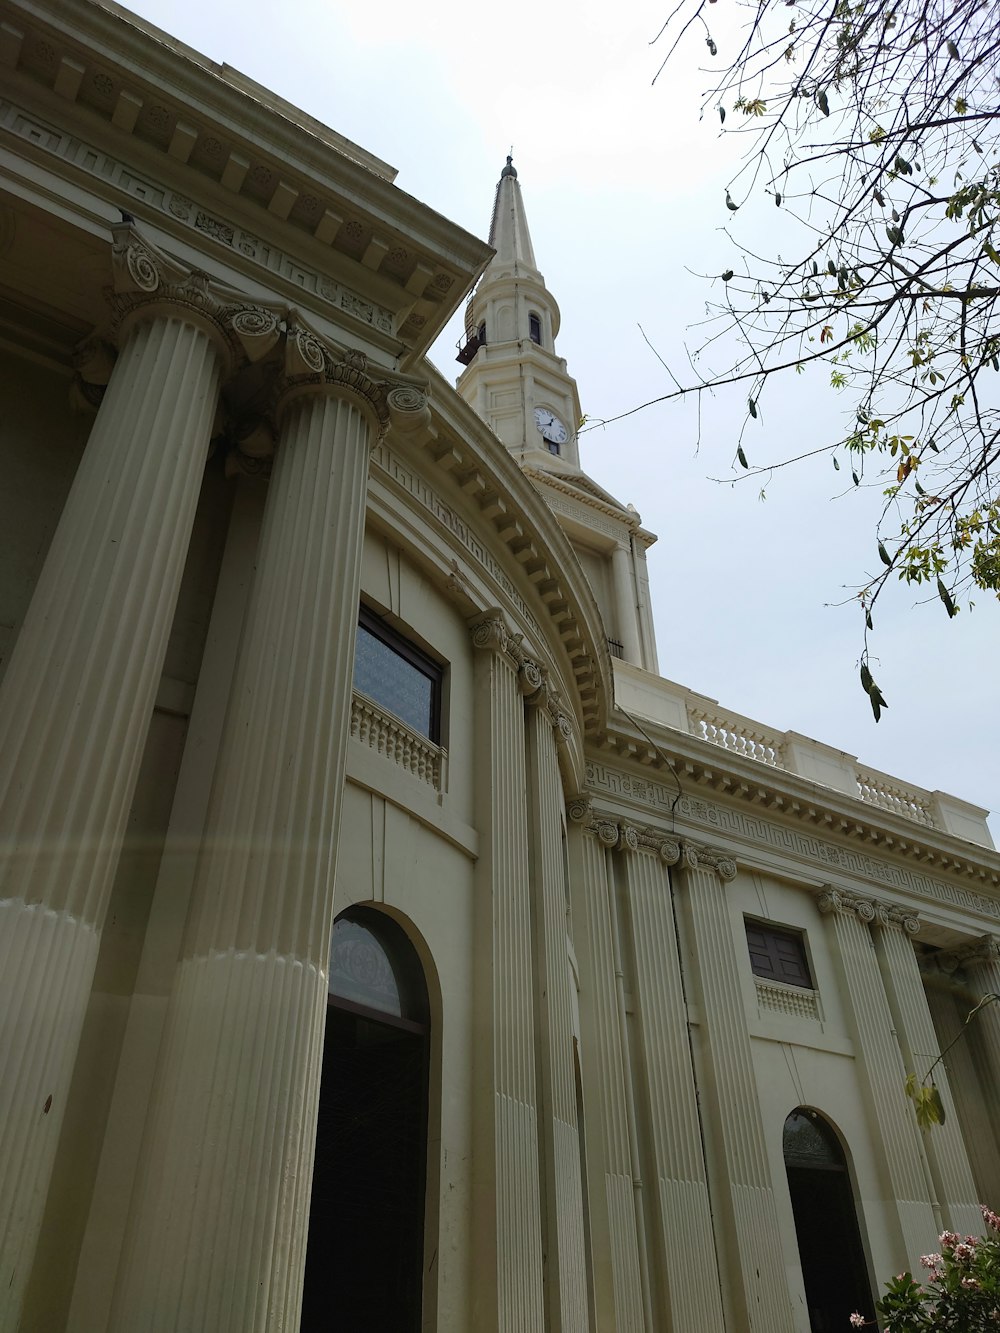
x=831, y=268
x=855, y=478
x=836, y=464
x=953, y=50
x=722, y=115
x=946, y=597
x=742, y=457
x=753, y=408
x=733, y=208
x=777, y=199
x=884, y=555
x=868, y=620
x=822, y=102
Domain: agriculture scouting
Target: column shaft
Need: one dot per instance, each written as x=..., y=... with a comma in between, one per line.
x=74, y=712
x=625, y=598
x=684, y=1250
x=219, y=1220
x=509, y=1291
x=973, y=1100
x=883, y=1077
x=943, y=1146
x=566, y=1249
x=760, y=1289
x=617, y=1275
x=983, y=972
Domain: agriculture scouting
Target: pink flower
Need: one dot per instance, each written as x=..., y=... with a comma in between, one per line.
x=948, y=1238
x=857, y=1320
x=964, y=1252
x=930, y=1260
x=990, y=1217
x=970, y=1283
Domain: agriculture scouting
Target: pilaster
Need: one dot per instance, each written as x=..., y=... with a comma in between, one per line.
x=682, y=1251
x=509, y=1287
x=758, y=1286
x=79, y=691
x=881, y=1072
x=613, y=1184
x=943, y=1146
x=566, y=1256
x=218, y=1227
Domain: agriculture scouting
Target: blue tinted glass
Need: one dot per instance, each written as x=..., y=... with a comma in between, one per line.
x=394, y=683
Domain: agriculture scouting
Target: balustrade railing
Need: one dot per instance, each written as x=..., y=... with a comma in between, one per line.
x=888, y=793
x=389, y=736
x=738, y=734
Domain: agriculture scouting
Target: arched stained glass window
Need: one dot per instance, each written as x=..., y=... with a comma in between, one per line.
x=810, y=1142
x=374, y=965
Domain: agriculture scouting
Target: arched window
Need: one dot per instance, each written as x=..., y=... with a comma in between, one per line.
x=365, y=1256
x=834, y=1271
x=534, y=327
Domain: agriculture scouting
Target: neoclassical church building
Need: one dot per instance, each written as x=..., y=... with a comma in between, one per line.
x=384, y=943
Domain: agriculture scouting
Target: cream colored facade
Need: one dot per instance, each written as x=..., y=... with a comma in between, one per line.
x=219, y=436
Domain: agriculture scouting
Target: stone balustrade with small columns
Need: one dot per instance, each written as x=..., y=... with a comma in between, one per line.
x=667, y=703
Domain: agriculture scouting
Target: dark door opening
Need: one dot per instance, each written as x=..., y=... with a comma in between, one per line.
x=834, y=1271
x=364, y=1261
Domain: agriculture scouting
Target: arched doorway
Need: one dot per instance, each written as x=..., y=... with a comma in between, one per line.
x=826, y=1224
x=364, y=1262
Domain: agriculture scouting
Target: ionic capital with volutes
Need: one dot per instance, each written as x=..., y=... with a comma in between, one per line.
x=695, y=857
x=867, y=910
x=984, y=951
x=621, y=833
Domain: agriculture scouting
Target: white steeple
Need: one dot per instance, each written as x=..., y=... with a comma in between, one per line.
x=522, y=389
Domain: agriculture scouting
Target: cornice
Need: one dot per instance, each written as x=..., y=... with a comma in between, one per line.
x=472, y=468
x=126, y=83
x=697, y=765
x=628, y=520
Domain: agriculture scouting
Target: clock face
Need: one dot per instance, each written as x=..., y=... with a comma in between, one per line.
x=549, y=426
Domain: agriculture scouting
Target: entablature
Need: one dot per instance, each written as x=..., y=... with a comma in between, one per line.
x=233, y=165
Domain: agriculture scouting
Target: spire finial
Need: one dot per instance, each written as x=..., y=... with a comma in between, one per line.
x=509, y=169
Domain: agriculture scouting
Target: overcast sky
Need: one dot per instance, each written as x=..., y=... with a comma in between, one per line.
x=625, y=195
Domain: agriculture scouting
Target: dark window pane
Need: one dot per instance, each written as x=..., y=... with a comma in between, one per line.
x=778, y=955
x=397, y=676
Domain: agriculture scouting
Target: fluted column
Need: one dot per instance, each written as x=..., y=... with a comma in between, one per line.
x=625, y=597
x=951, y=1173
x=76, y=702
x=981, y=965
x=618, y=1286
x=218, y=1227
x=759, y=1290
x=683, y=1249
x=509, y=1288
x=881, y=1072
x=975, y=1100
x=566, y=1248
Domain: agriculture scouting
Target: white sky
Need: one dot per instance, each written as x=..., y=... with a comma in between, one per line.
x=625, y=193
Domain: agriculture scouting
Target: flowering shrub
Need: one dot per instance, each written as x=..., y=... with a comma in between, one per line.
x=961, y=1293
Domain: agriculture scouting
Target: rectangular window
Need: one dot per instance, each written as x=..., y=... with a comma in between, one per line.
x=396, y=675
x=778, y=955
